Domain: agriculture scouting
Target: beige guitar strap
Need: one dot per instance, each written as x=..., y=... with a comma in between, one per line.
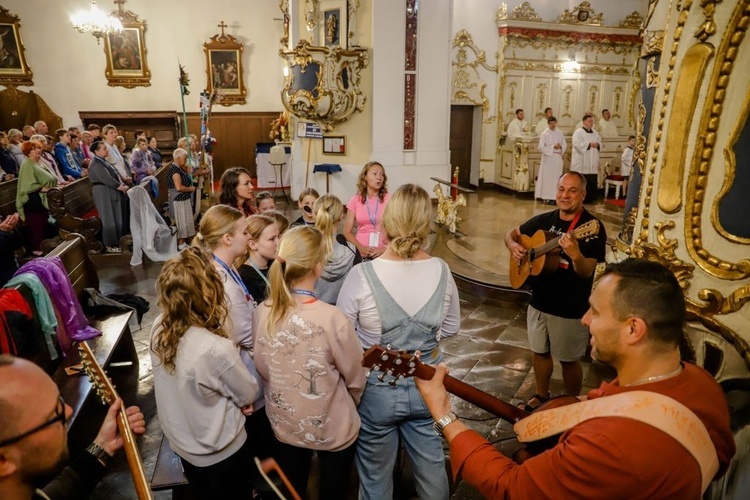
x=656, y=410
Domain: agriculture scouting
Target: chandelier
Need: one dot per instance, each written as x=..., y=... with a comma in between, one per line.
x=96, y=22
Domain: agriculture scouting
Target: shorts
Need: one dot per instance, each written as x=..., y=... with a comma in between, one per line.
x=566, y=339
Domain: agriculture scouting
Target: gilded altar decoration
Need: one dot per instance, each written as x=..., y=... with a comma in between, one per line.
x=284, y=7
x=652, y=74
x=323, y=84
x=653, y=43
x=502, y=12
x=583, y=14
x=126, y=52
x=467, y=82
x=705, y=145
x=280, y=128
x=632, y=20
x=14, y=70
x=525, y=12
x=521, y=156
x=311, y=14
x=447, y=209
x=224, y=71
x=708, y=27
x=663, y=252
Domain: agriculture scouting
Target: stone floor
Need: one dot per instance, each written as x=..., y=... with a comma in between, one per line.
x=490, y=352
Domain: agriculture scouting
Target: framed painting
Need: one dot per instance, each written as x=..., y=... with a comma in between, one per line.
x=224, y=70
x=334, y=145
x=333, y=24
x=126, y=53
x=13, y=68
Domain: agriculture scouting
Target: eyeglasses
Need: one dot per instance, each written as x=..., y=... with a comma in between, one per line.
x=58, y=417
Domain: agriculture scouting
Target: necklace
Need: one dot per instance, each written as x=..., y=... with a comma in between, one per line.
x=656, y=378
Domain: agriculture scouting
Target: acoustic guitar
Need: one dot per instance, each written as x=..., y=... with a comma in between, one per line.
x=397, y=365
x=106, y=391
x=543, y=252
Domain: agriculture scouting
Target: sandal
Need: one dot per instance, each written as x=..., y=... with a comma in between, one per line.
x=529, y=406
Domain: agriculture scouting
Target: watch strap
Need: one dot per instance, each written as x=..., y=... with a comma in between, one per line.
x=99, y=453
x=444, y=421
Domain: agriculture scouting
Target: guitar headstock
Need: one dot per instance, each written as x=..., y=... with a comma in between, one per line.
x=104, y=388
x=591, y=228
x=396, y=364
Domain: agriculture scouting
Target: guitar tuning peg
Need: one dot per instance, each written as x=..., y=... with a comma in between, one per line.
x=392, y=382
x=376, y=368
x=388, y=347
x=368, y=373
x=381, y=377
x=397, y=362
x=384, y=357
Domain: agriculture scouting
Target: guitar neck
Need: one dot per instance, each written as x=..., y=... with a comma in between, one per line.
x=109, y=395
x=485, y=401
x=577, y=233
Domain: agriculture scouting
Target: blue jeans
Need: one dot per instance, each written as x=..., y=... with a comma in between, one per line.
x=387, y=412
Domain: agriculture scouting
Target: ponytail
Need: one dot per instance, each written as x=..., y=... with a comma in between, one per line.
x=328, y=210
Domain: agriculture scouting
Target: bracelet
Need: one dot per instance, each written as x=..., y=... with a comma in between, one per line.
x=99, y=453
x=443, y=422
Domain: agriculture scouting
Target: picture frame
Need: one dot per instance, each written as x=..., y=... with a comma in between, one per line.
x=224, y=70
x=126, y=52
x=14, y=70
x=334, y=145
x=333, y=25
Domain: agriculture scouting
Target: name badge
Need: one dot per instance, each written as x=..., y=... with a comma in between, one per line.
x=374, y=239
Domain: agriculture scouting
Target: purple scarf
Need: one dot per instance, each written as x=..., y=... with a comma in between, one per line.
x=53, y=276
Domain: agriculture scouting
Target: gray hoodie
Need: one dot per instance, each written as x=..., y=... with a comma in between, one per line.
x=328, y=286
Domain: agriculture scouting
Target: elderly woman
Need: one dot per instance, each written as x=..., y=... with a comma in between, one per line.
x=181, y=189
x=141, y=161
x=407, y=299
x=114, y=155
x=47, y=160
x=34, y=180
x=109, y=197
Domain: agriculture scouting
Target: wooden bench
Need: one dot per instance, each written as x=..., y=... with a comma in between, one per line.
x=72, y=206
x=115, y=345
x=168, y=473
x=8, y=197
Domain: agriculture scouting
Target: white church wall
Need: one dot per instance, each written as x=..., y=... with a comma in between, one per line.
x=69, y=67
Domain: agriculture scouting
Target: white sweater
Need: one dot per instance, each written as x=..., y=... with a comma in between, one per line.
x=199, y=404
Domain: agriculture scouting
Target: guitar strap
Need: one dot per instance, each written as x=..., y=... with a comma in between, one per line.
x=656, y=410
x=574, y=222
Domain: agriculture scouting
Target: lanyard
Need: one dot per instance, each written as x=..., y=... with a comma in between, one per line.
x=373, y=219
x=235, y=277
x=299, y=291
x=257, y=270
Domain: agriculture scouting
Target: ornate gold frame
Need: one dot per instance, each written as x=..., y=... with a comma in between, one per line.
x=225, y=46
x=128, y=78
x=21, y=75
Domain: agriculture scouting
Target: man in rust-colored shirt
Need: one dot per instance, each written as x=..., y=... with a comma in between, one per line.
x=636, y=315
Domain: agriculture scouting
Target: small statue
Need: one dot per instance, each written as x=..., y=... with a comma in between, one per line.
x=447, y=209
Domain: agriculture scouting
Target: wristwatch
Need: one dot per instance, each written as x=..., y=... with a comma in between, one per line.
x=442, y=423
x=99, y=453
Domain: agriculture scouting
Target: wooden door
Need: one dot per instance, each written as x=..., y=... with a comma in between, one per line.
x=462, y=119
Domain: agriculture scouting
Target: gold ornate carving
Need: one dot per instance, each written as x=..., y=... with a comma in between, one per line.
x=563, y=42
x=635, y=88
x=542, y=96
x=583, y=14
x=463, y=40
x=311, y=14
x=653, y=43
x=558, y=68
x=502, y=12
x=652, y=74
x=686, y=94
x=512, y=86
x=284, y=7
x=625, y=238
x=329, y=102
x=704, y=147
x=447, y=209
x=718, y=304
x=632, y=20
x=618, y=102
x=681, y=20
x=521, y=156
x=708, y=27
x=593, y=91
x=663, y=252
x=729, y=172
x=525, y=12
x=568, y=90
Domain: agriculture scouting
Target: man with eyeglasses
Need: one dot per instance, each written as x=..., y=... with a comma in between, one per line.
x=33, y=437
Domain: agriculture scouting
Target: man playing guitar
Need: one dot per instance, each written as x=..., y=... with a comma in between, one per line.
x=670, y=439
x=559, y=299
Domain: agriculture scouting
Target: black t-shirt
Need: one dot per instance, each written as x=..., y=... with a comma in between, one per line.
x=254, y=282
x=564, y=293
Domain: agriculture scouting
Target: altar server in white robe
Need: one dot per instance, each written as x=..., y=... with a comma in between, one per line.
x=552, y=145
x=607, y=127
x=541, y=125
x=516, y=125
x=587, y=144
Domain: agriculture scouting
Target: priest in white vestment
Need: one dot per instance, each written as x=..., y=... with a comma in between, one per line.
x=516, y=126
x=587, y=144
x=607, y=127
x=541, y=125
x=552, y=145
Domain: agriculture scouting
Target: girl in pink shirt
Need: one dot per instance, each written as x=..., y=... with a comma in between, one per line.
x=365, y=209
